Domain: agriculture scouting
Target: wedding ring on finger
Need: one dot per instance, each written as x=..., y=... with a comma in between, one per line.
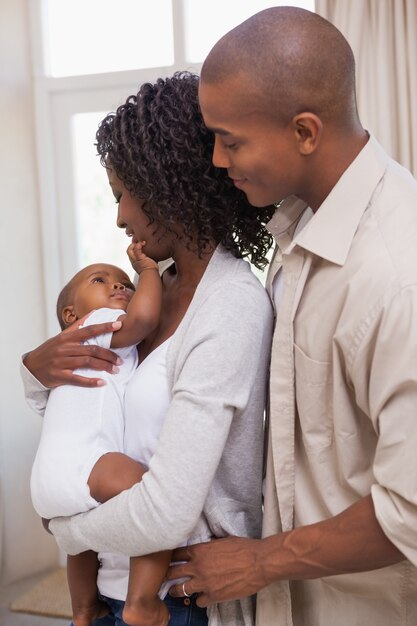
x=188, y=595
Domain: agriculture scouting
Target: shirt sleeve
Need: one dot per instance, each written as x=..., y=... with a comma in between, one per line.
x=35, y=393
x=390, y=358
x=218, y=367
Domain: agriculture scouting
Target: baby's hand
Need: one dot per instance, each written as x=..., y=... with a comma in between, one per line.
x=138, y=258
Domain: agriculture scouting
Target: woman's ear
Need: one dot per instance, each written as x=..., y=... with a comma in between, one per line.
x=68, y=315
x=307, y=129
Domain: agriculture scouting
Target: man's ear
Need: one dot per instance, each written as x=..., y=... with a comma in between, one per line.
x=307, y=129
x=68, y=315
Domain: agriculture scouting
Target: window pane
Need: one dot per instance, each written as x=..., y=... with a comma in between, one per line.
x=206, y=22
x=94, y=36
x=99, y=239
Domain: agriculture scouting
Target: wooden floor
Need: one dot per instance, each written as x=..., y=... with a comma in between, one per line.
x=9, y=618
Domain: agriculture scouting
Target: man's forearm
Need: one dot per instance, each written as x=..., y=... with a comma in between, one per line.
x=352, y=541
x=235, y=567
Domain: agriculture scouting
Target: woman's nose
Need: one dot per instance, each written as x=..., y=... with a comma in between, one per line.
x=119, y=222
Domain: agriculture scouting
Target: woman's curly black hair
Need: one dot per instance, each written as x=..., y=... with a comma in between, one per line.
x=160, y=149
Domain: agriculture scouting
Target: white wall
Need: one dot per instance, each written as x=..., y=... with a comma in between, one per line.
x=25, y=548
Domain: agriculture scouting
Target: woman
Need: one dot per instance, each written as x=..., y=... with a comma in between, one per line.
x=202, y=372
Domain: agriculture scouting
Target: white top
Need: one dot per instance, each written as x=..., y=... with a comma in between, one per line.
x=147, y=399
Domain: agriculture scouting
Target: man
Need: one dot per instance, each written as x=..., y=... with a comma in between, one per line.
x=340, y=519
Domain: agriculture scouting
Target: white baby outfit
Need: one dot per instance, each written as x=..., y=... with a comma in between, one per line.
x=80, y=425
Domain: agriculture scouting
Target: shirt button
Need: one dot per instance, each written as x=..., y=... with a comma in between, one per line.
x=187, y=601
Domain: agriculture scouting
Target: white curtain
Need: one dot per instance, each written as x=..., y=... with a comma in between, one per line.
x=383, y=36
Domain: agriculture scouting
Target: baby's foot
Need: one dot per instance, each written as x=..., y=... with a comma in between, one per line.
x=146, y=612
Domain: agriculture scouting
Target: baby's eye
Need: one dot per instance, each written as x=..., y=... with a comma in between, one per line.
x=129, y=286
x=97, y=279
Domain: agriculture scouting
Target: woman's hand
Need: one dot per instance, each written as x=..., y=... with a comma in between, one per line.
x=53, y=362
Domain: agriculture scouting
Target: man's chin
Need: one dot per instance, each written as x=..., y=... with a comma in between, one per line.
x=259, y=203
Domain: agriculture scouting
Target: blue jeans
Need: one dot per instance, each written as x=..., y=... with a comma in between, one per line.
x=183, y=612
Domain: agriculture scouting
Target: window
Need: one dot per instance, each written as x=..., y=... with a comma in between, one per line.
x=101, y=36
x=87, y=57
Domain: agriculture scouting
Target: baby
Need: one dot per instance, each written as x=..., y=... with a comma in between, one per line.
x=80, y=461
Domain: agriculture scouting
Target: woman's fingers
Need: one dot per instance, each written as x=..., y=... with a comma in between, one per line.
x=74, y=334
x=54, y=361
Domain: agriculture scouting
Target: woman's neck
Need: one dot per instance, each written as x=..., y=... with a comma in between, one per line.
x=180, y=282
x=189, y=266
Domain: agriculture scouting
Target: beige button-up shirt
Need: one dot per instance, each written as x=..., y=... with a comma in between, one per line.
x=343, y=396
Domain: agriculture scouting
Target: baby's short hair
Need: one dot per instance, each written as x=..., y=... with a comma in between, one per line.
x=62, y=302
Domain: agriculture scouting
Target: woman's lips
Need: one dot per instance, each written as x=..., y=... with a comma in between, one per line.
x=239, y=182
x=129, y=233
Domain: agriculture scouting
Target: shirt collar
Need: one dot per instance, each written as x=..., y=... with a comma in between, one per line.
x=330, y=231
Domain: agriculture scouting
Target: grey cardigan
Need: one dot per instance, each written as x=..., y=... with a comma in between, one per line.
x=205, y=478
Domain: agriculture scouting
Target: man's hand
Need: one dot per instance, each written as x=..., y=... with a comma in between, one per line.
x=53, y=362
x=223, y=569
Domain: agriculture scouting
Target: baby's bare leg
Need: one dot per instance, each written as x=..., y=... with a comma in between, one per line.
x=113, y=473
x=143, y=605
x=82, y=582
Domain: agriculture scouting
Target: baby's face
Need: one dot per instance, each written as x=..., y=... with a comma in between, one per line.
x=101, y=285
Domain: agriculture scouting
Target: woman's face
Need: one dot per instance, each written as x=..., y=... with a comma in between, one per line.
x=134, y=220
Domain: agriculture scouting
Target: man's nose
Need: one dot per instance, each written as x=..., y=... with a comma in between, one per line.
x=220, y=155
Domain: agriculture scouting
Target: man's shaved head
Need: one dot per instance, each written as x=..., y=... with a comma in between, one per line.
x=293, y=61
